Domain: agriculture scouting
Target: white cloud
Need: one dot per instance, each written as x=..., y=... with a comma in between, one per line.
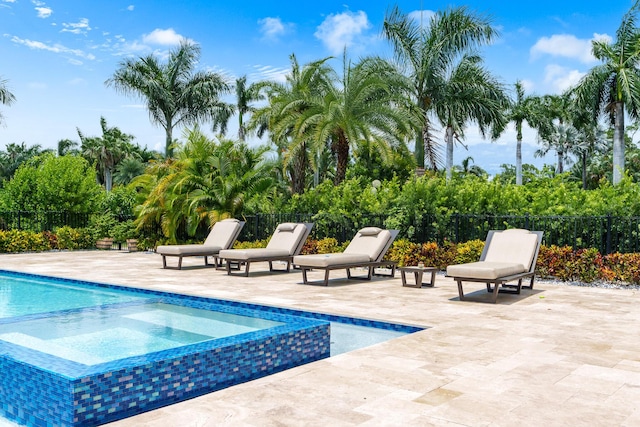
x=44, y=12
x=561, y=78
x=166, y=37
x=422, y=16
x=567, y=46
x=341, y=30
x=9, y=1
x=267, y=72
x=80, y=27
x=273, y=28
x=78, y=81
x=56, y=48
x=527, y=85
x=130, y=7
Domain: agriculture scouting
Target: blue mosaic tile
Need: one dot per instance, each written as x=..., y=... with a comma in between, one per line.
x=43, y=390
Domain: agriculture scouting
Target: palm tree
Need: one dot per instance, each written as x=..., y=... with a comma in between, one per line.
x=467, y=167
x=469, y=93
x=106, y=151
x=365, y=103
x=6, y=97
x=208, y=181
x=563, y=138
x=245, y=96
x=612, y=87
x=521, y=109
x=287, y=102
x=67, y=146
x=427, y=53
x=175, y=95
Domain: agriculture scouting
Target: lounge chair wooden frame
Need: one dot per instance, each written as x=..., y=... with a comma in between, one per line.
x=500, y=284
x=236, y=264
x=371, y=265
x=204, y=252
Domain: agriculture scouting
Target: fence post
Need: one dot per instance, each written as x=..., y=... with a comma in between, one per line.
x=609, y=221
x=457, y=227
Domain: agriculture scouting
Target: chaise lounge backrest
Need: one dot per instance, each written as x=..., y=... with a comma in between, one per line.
x=289, y=236
x=224, y=233
x=371, y=241
x=514, y=246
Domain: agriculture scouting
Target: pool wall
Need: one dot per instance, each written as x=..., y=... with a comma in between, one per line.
x=35, y=396
x=59, y=392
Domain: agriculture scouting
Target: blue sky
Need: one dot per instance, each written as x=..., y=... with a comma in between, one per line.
x=58, y=54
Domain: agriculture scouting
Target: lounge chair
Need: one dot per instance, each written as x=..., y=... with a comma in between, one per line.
x=286, y=242
x=507, y=256
x=222, y=236
x=366, y=249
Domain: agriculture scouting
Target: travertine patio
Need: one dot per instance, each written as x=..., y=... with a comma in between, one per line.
x=559, y=355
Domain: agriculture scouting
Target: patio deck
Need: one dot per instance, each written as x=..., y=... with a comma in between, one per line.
x=559, y=355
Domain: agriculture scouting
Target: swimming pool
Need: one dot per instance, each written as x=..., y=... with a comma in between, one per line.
x=71, y=364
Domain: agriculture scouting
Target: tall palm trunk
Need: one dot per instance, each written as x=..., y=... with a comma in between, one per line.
x=618, y=143
x=519, y=152
x=341, y=149
x=298, y=170
x=449, y=140
x=560, y=168
x=168, y=150
x=584, y=170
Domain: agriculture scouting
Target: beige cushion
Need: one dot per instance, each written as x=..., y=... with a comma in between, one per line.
x=489, y=270
x=188, y=250
x=253, y=253
x=223, y=233
x=287, y=238
x=513, y=246
x=369, y=244
x=370, y=231
x=330, y=260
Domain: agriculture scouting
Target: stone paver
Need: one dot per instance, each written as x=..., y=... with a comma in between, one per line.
x=559, y=355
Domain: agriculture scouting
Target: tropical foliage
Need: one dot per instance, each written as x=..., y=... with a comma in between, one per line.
x=175, y=94
x=208, y=181
x=612, y=87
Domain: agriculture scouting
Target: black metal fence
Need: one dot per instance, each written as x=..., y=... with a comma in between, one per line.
x=41, y=221
x=608, y=234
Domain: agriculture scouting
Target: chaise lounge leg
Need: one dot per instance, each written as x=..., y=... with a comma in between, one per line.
x=460, y=291
x=180, y=263
x=326, y=277
x=304, y=275
x=246, y=268
x=496, y=291
x=164, y=261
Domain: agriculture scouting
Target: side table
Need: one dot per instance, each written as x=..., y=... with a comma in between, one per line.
x=418, y=272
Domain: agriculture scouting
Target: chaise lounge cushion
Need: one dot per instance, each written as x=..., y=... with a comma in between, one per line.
x=222, y=235
x=187, y=250
x=489, y=270
x=253, y=254
x=327, y=260
x=284, y=242
x=369, y=241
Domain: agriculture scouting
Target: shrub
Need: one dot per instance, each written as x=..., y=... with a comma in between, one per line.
x=469, y=251
x=251, y=245
x=23, y=241
x=323, y=246
x=404, y=252
x=74, y=238
x=622, y=267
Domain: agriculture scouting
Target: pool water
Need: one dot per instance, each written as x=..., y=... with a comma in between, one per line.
x=111, y=333
x=21, y=295
x=78, y=353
